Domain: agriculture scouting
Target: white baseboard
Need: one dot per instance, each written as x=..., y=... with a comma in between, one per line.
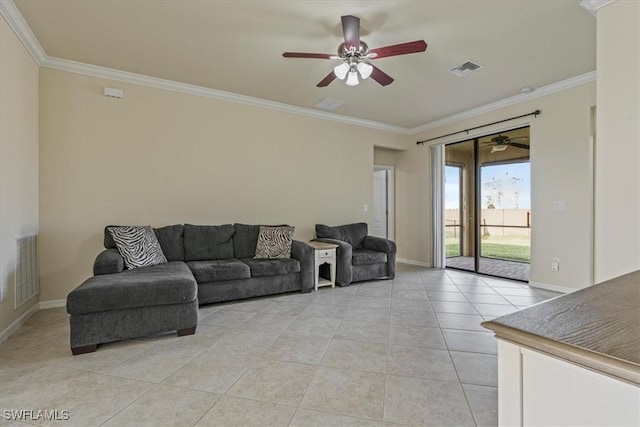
x=52, y=303
x=18, y=322
x=548, y=287
x=412, y=262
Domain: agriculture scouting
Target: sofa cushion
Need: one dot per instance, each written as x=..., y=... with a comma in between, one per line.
x=138, y=245
x=367, y=256
x=171, y=241
x=169, y=283
x=245, y=239
x=208, y=242
x=353, y=234
x=274, y=242
x=215, y=271
x=272, y=267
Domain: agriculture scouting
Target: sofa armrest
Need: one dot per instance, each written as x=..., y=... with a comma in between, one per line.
x=344, y=254
x=108, y=261
x=304, y=254
x=383, y=245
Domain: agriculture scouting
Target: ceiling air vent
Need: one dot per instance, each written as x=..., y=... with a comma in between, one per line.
x=329, y=104
x=465, y=68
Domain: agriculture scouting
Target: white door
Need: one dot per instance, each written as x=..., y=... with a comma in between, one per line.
x=379, y=228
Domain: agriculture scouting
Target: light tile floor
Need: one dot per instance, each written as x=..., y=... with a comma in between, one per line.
x=383, y=353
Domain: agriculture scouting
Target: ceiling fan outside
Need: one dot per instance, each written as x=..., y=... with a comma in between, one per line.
x=501, y=143
x=356, y=56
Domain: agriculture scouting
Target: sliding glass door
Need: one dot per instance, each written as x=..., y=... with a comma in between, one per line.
x=453, y=210
x=488, y=205
x=459, y=205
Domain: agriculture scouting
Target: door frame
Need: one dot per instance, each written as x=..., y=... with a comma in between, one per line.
x=391, y=204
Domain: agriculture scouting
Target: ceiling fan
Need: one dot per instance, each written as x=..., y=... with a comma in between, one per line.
x=355, y=56
x=501, y=143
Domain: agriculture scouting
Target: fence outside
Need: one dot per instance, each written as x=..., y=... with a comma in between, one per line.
x=494, y=222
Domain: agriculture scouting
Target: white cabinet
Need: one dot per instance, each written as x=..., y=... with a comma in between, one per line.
x=536, y=389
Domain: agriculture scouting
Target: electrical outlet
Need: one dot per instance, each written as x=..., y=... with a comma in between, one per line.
x=365, y=208
x=555, y=264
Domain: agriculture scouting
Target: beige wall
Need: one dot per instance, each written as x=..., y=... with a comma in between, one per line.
x=160, y=157
x=561, y=169
x=617, y=186
x=18, y=162
x=384, y=156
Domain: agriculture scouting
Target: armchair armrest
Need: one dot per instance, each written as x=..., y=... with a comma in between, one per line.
x=344, y=254
x=383, y=245
x=304, y=254
x=108, y=261
x=379, y=244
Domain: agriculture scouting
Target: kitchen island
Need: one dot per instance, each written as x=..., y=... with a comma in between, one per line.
x=572, y=360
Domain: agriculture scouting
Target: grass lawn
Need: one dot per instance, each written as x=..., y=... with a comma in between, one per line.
x=508, y=252
x=452, y=249
x=495, y=249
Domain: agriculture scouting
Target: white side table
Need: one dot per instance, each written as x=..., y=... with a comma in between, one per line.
x=325, y=253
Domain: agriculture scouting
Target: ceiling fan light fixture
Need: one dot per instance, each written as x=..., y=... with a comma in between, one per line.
x=497, y=148
x=356, y=54
x=352, y=78
x=341, y=70
x=364, y=69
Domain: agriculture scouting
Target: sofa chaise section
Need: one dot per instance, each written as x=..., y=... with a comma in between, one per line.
x=133, y=303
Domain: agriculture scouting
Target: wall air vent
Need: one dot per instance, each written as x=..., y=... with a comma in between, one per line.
x=465, y=68
x=329, y=104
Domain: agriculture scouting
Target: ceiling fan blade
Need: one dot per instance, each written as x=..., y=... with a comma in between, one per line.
x=308, y=55
x=517, y=144
x=351, y=31
x=380, y=76
x=519, y=139
x=325, y=82
x=398, y=49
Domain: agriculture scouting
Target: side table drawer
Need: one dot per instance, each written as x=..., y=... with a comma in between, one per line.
x=330, y=253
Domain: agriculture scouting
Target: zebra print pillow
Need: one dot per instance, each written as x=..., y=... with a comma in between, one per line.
x=138, y=245
x=274, y=242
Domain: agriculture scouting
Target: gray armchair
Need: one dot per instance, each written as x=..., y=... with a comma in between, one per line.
x=359, y=256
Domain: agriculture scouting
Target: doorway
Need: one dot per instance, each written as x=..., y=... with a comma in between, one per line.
x=383, y=202
x=488, y=205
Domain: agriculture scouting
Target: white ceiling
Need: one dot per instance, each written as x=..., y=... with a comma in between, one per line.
x=237, y=46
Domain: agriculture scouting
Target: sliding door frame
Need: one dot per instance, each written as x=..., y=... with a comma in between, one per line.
x=437, y=196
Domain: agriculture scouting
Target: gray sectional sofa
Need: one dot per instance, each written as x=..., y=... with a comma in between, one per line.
x=206, y=264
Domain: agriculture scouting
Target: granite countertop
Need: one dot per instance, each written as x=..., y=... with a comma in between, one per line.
x=597, y=327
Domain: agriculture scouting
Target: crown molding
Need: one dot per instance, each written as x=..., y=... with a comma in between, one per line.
x=22, y=30
x=127, y=77
x=507, y=102
x=20, y=27
x=17, y=23
x=592, y=6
